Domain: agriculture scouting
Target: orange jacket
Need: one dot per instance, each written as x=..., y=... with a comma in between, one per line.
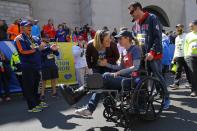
x=13, y=31
x=49, y=31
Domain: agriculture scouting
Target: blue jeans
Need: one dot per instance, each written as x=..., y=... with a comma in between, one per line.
x=155, y=67
x=109, y=83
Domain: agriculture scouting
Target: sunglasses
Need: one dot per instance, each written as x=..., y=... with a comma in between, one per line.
x=132, y=10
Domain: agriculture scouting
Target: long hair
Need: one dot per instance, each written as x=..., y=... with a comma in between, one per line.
x=98, y=39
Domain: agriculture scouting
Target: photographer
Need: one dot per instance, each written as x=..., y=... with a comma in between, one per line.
x=80, y=60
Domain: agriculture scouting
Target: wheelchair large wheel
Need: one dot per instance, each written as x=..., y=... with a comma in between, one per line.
x=149, y=98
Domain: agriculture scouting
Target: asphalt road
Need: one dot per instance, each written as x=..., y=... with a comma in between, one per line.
x=181, y=116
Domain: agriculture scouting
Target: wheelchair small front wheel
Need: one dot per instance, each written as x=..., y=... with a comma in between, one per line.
x=149, y=98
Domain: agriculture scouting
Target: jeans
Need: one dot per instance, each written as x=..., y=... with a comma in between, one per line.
x=180, y=62
x=155, y=67
x=192, y=64
x=109, y=83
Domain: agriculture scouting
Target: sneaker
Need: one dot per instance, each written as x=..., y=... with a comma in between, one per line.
x=166, y=103
x=174, y=87
x=43, y=105
x=193, y=94
x=83, y=112
x=34, y=110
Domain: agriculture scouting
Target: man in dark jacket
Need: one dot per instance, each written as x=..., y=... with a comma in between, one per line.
x=148, y=31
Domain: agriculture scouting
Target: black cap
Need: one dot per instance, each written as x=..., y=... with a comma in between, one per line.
x=125, y=33
x=179, y=25
x=194, y=22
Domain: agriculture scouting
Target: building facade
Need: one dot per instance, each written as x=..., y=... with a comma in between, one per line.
x=98, y=13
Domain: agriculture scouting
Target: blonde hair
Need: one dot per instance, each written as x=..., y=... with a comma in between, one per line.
x=98, y=39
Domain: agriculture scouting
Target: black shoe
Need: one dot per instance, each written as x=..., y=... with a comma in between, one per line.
x=79, y=94
x=68, y=93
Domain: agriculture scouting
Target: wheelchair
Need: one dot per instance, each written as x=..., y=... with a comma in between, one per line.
x=144, y=99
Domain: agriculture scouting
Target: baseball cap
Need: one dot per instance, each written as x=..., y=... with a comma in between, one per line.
x=179, y=25
x=124, y=33
x=25, y=23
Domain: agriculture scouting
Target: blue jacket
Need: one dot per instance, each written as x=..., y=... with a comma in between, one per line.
x=60, y=36
x=30, y=58
x=166, y=59
x=150, y=30
x=35, y=31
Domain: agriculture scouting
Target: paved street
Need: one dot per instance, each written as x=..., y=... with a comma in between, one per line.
x=182, y=116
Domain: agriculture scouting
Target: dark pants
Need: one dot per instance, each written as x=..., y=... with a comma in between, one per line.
x=180, y=63
x=31, y=79
x=165, y=69
x=155, y=67
x=4, y=83
x=192, y=64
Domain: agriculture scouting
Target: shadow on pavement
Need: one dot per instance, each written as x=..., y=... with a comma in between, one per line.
x=16, y=111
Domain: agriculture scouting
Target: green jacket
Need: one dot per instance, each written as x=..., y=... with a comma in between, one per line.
x=15, y=60
x=190, y=47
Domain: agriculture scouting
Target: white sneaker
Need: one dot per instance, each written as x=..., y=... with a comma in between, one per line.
x=174, y=87
x=83, y=112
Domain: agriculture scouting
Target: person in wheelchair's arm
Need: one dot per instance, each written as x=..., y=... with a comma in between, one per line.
x=129, y=64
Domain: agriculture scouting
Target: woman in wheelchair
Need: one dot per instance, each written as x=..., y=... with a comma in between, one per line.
x=130, y=63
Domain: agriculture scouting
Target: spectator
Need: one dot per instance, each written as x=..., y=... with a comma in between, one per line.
x=166, y=59
x=66, y=29
x=190, y=52
x=81, y=66
x=179, y=57
x=3, y=30
x=15, y=64
x=5, y=75
x=60, y=34
x=49, y=70
x=149, y=28
x=76, y=34
x=49, y=30
x=36, y=29
x=88, y=34
x=14, y=29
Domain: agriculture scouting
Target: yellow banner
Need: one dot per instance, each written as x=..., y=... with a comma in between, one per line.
x=65, y=63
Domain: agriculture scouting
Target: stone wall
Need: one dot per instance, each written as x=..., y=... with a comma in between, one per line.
x=11, y=11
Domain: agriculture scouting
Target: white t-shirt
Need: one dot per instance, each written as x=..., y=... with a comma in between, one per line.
x=80, y=61
x=179, y=45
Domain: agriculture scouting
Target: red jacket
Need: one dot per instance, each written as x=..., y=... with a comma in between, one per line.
x=49, y=31
x=85, y=35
